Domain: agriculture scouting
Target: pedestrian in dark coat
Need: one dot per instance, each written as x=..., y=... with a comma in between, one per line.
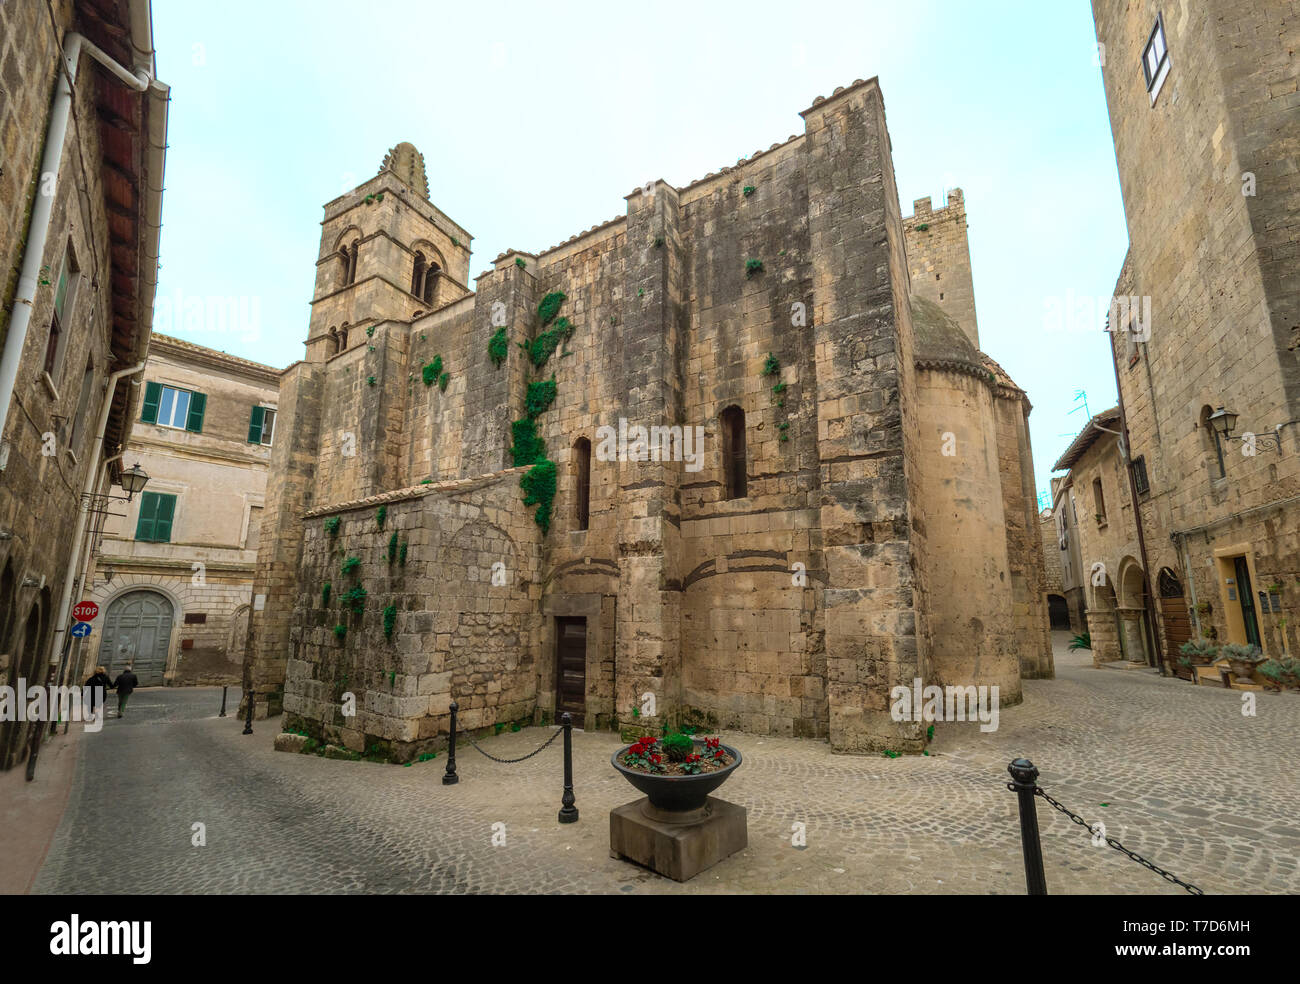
x=125, y=685
x=99, y=680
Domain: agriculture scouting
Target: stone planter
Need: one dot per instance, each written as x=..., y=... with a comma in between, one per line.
x=1243, y=669
x=677, y=829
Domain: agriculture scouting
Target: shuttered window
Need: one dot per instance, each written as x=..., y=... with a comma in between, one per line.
x=168, y=406
x=261, y=426
x=156, y=512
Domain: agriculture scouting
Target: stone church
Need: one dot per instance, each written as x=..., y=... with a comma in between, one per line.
x=446, y=519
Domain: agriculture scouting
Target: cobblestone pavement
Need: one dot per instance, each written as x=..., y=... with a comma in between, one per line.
x=1187, y=780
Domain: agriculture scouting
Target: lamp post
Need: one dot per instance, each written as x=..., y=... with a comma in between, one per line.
x=1224, y=422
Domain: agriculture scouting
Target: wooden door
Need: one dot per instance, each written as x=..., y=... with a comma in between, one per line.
x=571, y=667
x=137, y=630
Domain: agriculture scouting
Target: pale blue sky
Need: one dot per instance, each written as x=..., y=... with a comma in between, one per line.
x=536, y=119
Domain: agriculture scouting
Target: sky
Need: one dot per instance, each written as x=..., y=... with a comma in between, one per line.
x=535, y=120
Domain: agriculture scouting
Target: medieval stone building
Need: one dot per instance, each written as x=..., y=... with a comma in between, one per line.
x=1207, y=349
x=835, y=495
x=84, y=124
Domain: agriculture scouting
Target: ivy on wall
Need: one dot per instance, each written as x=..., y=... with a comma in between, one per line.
x=498, y=346
x=432, y=371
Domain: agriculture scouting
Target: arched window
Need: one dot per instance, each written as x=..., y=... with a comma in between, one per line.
x=582, y=483
x=1211, y=445
x=334, y=341
x=417, y=275
x=7, y=606
x=352, y=261
x=343, y=337
x=430, y=282
x=1169, y=585
x=345, y=265
x=734, y=471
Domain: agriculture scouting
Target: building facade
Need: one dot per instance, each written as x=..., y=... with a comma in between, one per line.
x=1065, y=520
x=84, y=122
x=707, y=462
x=1119, y=612
x=174, y=567
x=1205, y=113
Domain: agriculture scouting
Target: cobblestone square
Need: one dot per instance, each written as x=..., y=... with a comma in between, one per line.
x=1220, y=814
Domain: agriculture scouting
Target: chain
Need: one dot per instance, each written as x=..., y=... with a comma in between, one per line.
x=1111, y=841
x=558, y=732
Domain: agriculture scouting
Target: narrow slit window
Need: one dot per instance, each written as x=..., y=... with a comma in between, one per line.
x=734, y=466
x=582, y=483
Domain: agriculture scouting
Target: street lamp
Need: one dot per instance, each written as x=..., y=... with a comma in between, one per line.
x=134, y=480
x=1223, y=422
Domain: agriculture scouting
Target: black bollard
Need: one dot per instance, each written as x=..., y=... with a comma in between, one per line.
x=223, y=702
x=568, y=812
x=1025, y=781
x=450, y=778
x=248, y=718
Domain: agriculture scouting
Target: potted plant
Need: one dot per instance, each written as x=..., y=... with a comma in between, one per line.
x=1201, y=652
x=1272, y=671
x=677, y=772
x=1243, y=659
x=1204, y=607
x=1186, y=670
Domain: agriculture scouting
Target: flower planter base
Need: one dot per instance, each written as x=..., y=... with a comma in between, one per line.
x=677, y=845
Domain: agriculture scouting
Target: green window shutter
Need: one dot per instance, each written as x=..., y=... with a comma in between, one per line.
x=152, y=394
x=148, y=509
x=162, y=526
x=255, y=425
x=195, y=420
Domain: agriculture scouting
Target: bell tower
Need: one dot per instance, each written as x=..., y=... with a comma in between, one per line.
x=386, y=254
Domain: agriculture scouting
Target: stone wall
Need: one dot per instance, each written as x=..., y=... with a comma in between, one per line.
x=457, y=633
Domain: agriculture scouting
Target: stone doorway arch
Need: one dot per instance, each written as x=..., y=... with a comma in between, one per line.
x=137, y=630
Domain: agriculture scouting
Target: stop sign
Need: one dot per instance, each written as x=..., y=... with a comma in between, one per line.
x=84, y=611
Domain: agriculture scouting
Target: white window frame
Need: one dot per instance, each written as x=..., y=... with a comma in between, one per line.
x=1155, y=78
x=267, y=439
x=189, y=396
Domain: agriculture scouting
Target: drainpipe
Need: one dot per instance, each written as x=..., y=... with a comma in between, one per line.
x=43, y=209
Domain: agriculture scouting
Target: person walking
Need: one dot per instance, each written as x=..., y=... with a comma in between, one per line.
x=100, y=680
x=125, y=684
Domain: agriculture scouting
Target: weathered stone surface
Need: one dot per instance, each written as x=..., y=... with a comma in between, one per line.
x=679, y=851
x=286, y=742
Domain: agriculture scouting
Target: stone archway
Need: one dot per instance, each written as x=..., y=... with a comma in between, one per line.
x=1131, y=611
x=1058, y=612
x=27, y=667
x=1103, y=625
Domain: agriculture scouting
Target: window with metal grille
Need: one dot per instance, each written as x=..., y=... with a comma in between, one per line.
x=1140, y=475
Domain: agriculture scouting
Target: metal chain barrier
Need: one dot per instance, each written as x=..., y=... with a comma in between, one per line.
x=522, y=758
x=568, y=810
x=1111, y=841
